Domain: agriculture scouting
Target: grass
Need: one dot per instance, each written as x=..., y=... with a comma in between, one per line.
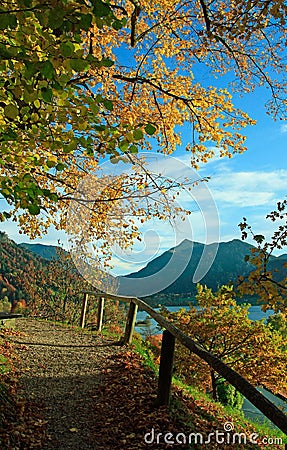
x=262, y=429
x=7, y=403
x=4, y=365
x=211, y=411
x=145, y=352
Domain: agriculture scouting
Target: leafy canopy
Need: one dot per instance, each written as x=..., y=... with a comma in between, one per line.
x=82, y=81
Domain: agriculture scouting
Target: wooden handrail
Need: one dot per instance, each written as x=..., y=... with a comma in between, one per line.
x=261, y=402
x=4, y=315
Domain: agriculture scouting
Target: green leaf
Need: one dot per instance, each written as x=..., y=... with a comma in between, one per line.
x=108, y=104
x=69, y=148
x=100, y=127
x=138, y=134
x=117, y=24
x=124, y=145
x=54, y=197
x=31, y=69
x=101, y=9
x=47, y=70
x=150, y=129
x=47, y=95
x=98, y=98
x=60, y=167
x=31, y=191
x=11, y=111
x=99, y=23
x=94, y=108
x=27, y=177
x=51, y=164
x=86, y=21
x=37, y=103
x=8, y=21
x=34, y=210
x=79, y=65
x=67, y=49
x=9, y=135
x=29, y=96
x=56, y=17
x=12, y=21
x=4, y=53
x=133, y=149
x=42, y=18
x=105, y=62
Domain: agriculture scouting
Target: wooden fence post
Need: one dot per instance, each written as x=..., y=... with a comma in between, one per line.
x=261, y=402
x=130, y=325
x=84, y=310
x=100, y=314
x=165, y=368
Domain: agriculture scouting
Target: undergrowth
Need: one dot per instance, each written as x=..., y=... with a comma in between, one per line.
x=210, y=411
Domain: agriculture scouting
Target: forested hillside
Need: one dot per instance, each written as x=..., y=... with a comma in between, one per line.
x=16, y=263
x=230, y=262
x=45, y=251
x=44, y=286
x=29, y=271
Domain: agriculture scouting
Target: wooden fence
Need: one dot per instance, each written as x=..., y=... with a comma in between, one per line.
x=7, y=318
x=170, y=334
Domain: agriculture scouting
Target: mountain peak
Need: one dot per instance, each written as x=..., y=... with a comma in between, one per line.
x=173, y=271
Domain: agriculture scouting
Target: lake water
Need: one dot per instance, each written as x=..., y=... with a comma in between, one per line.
x=255, y=313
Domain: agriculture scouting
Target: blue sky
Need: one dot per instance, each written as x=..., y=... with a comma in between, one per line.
x=247, y=185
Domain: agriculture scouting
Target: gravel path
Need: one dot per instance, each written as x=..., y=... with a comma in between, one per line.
x=62, y=372
x=82, y=393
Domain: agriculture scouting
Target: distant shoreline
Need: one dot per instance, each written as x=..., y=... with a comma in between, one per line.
x=186, y=300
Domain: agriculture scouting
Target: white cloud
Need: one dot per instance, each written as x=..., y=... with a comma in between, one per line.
x=233, y=193
x=249, y=188
x=283, y=128
x=244, y=199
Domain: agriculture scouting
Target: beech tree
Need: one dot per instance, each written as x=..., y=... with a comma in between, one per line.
x=223, y=328
x=83, y=81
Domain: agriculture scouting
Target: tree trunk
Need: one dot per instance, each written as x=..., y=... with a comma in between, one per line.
x=214, y=386
x=64, y=305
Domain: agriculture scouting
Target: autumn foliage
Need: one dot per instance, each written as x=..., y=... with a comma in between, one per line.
x=81, y=83
x=222, y=327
